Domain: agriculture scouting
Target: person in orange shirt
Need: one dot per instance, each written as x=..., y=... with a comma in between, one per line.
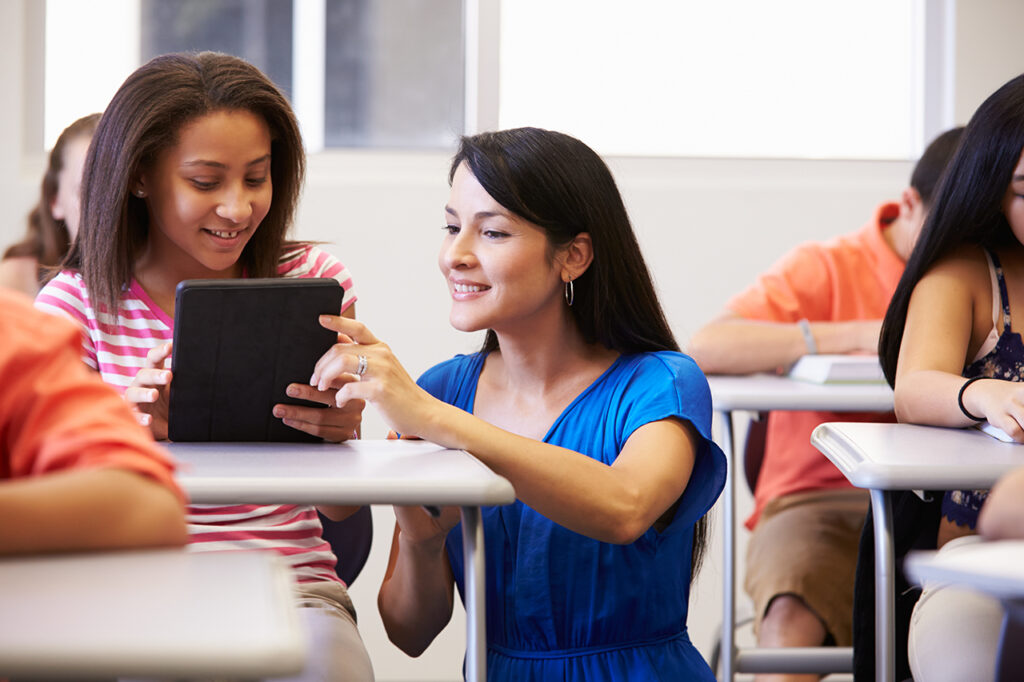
x=822, y=297
x=76, y=470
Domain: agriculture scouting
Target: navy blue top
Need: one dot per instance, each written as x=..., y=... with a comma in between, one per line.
x=562, y=606
x=1004, y=361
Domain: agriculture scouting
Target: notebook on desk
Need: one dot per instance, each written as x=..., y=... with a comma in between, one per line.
x=838, y=369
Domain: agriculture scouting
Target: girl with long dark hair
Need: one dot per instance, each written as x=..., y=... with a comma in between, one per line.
x=950, y=350
x=194, y=172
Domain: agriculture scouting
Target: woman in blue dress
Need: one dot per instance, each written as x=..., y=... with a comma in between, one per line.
x=579, y=397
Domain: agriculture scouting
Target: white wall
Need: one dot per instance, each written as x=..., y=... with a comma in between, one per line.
x=989, y=50
x=706, y=226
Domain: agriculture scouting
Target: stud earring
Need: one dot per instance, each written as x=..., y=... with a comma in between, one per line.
x=140, y=193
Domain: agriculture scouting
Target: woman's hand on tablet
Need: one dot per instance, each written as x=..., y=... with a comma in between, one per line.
x=361, y=367
x=149, y=391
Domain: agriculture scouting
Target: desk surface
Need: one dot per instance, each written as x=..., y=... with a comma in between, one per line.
x=990, y=567
x=165, y=613
x=913, y=457
x=770, y=392
x=406, y=472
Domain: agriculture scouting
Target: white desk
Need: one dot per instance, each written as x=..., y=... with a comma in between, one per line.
x=887, y=457
x=757, y=393
x=990, y=567
x=164, y=613
x=402, y=472
x=994, y=569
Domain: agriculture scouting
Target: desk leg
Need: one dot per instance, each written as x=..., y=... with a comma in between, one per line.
x=1010, y=659
x=885, y=579
x=475, y=578
x=728, y=653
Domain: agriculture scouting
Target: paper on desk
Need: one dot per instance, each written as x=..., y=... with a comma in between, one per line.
x=994, y=431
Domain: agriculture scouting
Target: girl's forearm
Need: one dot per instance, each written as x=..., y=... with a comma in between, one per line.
x=930, y=397
x=416, y=597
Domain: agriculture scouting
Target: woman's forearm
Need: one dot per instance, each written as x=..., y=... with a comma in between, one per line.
x=615, y=504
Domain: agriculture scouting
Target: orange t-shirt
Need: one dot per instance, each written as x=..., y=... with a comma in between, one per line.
x=56, y=413
x=848, y=278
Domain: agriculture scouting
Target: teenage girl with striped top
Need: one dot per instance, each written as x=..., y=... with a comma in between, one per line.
x=194, y=172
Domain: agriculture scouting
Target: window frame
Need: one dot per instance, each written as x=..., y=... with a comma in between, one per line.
x=933, y=44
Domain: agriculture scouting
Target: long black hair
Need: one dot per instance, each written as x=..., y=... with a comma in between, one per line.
x=563, y=187
x=968, y=204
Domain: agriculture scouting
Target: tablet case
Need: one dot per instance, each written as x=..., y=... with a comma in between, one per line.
x=238, y=343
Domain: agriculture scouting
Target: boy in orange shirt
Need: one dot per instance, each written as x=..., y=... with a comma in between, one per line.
x=76, y=470
x=822, y=297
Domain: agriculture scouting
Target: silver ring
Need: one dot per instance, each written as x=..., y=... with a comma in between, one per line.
x=361, y=370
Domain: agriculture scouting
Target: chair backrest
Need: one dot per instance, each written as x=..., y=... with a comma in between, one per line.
x=753, y=448
x=350, y=540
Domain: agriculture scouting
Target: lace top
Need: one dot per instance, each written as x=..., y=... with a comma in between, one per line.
x=1004, y=361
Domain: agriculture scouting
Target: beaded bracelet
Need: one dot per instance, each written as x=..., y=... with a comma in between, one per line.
x=960, y=398
x=805, y=329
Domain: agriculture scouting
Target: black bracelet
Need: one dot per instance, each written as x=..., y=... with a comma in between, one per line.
x=960, y=398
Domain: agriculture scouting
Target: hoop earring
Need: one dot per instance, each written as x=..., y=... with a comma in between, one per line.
x=570, y=293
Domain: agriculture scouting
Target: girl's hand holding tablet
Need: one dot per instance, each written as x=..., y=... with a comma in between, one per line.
x=149, y=391
x=334, y=423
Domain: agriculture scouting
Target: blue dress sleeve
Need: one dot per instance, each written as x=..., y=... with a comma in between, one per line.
x=678, y=389
x=454, y=381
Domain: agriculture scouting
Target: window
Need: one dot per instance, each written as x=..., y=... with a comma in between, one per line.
x=359, y=73
x=737, y=78
x=82, y=72
x=785, y=78
x=258, y=30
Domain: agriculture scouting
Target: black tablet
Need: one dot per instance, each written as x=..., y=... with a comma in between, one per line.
x=238, y=343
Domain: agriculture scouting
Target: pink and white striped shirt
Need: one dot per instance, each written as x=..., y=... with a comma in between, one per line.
x=117, y=348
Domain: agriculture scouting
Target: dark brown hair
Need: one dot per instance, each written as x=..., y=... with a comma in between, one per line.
x=47, y=239
x=143, y=119
x=967, y=206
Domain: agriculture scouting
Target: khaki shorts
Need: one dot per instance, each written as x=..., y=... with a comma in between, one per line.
x=336, y=650
x=805, y=545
